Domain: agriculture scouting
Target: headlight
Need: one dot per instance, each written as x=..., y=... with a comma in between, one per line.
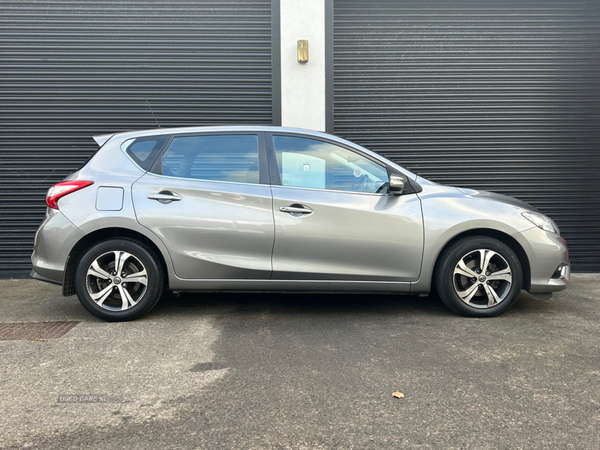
x=541, y=221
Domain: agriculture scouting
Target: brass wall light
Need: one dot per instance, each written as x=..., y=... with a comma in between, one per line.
x=302, y=50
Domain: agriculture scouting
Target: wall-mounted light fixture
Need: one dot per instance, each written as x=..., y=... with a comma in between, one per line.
x=302, y=50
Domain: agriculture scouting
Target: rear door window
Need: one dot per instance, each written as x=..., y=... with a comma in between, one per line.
x=230, y=158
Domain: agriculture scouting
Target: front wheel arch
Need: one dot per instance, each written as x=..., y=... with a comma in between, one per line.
x=478, y=276
x=503, y=237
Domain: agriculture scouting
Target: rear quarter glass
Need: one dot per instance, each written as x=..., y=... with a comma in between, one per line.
x=143, y=151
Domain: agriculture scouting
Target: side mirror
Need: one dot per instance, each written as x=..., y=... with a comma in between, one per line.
x=397, y=183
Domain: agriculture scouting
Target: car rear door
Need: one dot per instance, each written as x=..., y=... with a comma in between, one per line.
x=208, y=199
x=330, y=220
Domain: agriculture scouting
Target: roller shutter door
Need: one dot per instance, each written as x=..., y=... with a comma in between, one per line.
x=72, y=69
x=501, y=96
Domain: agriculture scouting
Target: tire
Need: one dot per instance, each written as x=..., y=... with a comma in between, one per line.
x=109, y=295
x=471, y=290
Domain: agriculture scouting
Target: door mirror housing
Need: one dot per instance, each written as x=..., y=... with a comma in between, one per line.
x=397, y=183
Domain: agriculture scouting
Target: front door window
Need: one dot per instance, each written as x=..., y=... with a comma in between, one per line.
x=314, y=164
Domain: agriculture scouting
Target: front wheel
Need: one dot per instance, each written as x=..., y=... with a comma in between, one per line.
x=119, y=279
x=478, y=277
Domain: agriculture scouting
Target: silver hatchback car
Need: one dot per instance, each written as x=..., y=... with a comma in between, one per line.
x=282, y=209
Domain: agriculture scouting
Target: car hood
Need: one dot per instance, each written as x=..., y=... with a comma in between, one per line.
x=452, y=191
x=498, y=198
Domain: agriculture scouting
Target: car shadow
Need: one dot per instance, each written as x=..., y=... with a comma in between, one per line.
x=325, y=304
x=300, y=303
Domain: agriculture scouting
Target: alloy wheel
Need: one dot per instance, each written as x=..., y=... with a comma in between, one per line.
x=116, y=280
x=482, y=278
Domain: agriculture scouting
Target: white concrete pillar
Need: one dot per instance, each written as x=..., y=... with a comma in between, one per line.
x=303, y=84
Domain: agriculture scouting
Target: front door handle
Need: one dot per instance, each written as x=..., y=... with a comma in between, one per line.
x=296, y=210
x=165, y=197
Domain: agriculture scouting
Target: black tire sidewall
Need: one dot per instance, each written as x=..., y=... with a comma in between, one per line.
x=153, y=269
x=449, y=259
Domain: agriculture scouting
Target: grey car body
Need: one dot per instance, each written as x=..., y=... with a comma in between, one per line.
x=246, y=236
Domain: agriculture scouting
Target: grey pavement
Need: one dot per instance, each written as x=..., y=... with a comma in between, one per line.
x=262, y=371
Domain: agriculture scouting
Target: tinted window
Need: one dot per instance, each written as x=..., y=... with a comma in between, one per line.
x=143, y=151
x=311, y=163
x=231, y=158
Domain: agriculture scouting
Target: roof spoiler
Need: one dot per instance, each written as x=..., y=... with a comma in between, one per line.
x=102, y=138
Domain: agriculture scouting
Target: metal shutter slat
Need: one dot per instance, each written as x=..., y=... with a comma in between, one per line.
x=70, y=70
x=501, y=96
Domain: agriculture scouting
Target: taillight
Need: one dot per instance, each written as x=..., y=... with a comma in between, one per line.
x=63, y=188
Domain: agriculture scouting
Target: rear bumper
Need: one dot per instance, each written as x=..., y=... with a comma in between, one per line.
x=54, y=240
x=37, y=276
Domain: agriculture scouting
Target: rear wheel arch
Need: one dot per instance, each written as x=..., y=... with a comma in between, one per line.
x=93, y=238
x=503, y=237
x=119, y=279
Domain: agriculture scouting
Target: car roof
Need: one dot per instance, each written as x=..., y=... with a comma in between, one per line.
x=207, y=129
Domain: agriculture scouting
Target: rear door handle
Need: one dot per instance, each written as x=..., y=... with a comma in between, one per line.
x=296, y=210
x=165, y=197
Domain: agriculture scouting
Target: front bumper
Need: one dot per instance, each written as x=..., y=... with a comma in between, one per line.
x=549, y=264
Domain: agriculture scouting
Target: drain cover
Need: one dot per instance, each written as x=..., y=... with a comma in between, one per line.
x=32, y=331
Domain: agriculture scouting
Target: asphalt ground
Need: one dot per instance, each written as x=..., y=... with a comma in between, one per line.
x=279, y=371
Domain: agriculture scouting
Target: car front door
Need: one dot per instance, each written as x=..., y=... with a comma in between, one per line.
x=208, y=199
x=335, y=218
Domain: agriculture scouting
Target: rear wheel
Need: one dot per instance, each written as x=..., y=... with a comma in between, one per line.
x=119, y=279
x=478, y=277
